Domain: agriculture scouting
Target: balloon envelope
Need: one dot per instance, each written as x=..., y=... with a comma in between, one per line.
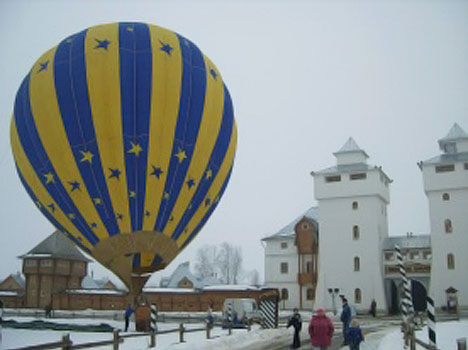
x=124, y=137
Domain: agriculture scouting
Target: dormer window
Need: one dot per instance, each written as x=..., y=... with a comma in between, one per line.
x=358, y=176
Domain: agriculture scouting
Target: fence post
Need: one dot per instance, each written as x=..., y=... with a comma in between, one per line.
x=116, y=339
x=461, y=344
x=230, y=329
x=181, y=333
x=66, y=341
x=153, y=339
x=154, y=317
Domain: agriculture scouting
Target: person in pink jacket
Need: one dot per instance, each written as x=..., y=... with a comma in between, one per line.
x=321, y=330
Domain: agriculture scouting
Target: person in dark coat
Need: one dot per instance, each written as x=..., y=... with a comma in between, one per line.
x=321, y=330
x=355, y=336
x=128, y=312
x=373, y=308
x=296, y=322
x=345, y=320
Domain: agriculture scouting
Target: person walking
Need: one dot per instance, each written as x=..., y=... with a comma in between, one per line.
x=373, y=308
x=321, y=330
x=345, y=320
x=355, y=336
x=128, y=312
x=296, y=322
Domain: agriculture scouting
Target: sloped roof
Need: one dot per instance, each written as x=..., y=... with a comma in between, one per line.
x=57, y=245
x=288, y=230
x=406, y=242
x=19, y=279
x=448, y=158
x=455, y=133
x=351, y=146
x=183, y=271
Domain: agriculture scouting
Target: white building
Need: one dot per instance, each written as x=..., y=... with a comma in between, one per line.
x=353, y=198
x=446, y=187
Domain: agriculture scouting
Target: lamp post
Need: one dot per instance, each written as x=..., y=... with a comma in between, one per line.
x=333, y=293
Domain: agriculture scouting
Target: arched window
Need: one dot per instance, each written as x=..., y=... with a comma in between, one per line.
x=450, y=261
x=355, y=205
x=355, y=232
x=448, y=226
x=284, y=294
x=446, y=197
x=357, y=263
x=357, y=296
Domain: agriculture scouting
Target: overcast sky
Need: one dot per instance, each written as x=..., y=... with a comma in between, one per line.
x=303, y=76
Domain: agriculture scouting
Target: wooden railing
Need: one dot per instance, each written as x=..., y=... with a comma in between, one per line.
x=67, y=344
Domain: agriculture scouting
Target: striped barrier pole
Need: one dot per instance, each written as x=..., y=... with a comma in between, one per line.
x=406, y=302
x=154, y=317
x=268, y=310
x=431, y=322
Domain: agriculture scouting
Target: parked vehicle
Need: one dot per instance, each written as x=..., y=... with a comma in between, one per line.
x=240, y=312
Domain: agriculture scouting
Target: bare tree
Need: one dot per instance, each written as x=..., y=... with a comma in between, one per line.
x=205, y=265
x=229, y=263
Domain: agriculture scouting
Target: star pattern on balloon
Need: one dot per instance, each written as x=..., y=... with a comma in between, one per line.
x=75, y=185
x=97, y=201
x=132, y=194
x=93, y=225
x=190, y=183
x=166, y=196
x=43, y=66
x=71, y=216
x=87, y=156
x=208, y=174
x=52, y=207
x=119, y=216
x=135, y=149
x=49, y=178
x=214, y=74
x=165, y=48
x=181, y=155
x=114, y=173
x=102, y=44
x=157, y=171
x=147, y=213
x=207, y=202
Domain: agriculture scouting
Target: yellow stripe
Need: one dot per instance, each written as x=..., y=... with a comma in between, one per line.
x=53, y=136
x=37, y=186
x=206, y=139
x=146, y=258
x=167, y=76
x=103, y=74
x=214, y=189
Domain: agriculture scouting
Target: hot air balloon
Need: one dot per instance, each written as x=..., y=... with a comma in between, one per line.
x=124, y=137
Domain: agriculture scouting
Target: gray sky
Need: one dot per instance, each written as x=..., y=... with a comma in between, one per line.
x=303, y=75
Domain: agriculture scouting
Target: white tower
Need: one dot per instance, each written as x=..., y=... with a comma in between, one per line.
x=352, y=197
x=446, y=187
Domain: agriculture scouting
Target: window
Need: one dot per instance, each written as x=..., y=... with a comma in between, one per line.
x=446, y=197
x=357, y=296
x=448, y=226
x=357, y=264
x=444, y=168
x=30, y=262
x=284, y=294
x=47, y=262
x=389, y=256
x=358, y=176
x=305, y=226
x=309, y=266
x=284, y=245
x=333, y=178
x=450, y=261
x=414, y=255
x=310, y=294
x=355, y=232
x=427, y=254
x=284, y=267
x=355, y=205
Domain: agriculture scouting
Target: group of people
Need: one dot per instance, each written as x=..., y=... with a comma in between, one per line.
x=321, y=329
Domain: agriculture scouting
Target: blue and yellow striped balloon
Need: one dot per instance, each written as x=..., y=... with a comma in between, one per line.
x=124, y=137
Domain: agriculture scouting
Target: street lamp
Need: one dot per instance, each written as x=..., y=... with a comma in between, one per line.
x=333, y=293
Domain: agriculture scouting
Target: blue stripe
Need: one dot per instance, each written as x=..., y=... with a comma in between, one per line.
x=46, y=213
x=136, y=260
x=157, y=260
x=72, y=96
x=214, y=164
x=208, y=213
x=192, y=100
x=34, y=150
x=135, y=86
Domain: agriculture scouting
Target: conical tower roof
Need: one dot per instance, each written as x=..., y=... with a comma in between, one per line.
x=455, y=133
x=57, y=245
x=351, y=146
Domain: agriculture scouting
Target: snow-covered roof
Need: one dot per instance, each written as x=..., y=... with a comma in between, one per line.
x=407, y=242
x=168, y=290
x=448, y=158
x=89, y=283
x=288, y=231
x=350, y=146
x=455, y=133
x=182, y=271
x=19, y=279
x=8, y=293
x=231, y=287
x=345, y=168
x=95, y=291
x=57, y=245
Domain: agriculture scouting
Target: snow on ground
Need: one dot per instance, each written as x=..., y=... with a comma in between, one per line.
x=447, y=335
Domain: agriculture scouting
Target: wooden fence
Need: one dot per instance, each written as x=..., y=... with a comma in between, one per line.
x=67, y=344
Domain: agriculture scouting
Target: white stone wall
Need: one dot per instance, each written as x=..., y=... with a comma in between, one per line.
x=456, y=209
